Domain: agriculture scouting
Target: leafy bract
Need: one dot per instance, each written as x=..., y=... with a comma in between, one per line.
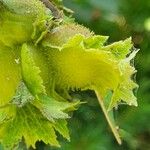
x=25, y=121
x=23, y=21
x=74, y=66
x=22, y=96
x=6, y=114
x=120, y=49
x=56, y=38
x=32, y=7
x=30, y=72
x=125, y=88
x=44, y=72
x=29, y=124
x=49, y=107
x=10, y=73
x=53, y=109
x=61, y=127
x=95, y=41
x=86, y=63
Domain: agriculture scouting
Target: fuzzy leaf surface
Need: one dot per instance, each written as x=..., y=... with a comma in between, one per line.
x=30, y=71
x=86, y=63
x=28, y=123
x=52, y=109
x=10, y=73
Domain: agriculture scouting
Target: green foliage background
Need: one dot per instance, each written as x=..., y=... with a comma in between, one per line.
x=88, y=127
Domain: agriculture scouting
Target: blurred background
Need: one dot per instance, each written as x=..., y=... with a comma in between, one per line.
x=118, y=19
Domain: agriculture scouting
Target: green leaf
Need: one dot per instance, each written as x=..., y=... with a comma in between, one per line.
x=120, y=49
x=24, y=20
x=32, y=7
x=61, y=127
x=95, y=41
x=14, y=29
x=41, y=61
x=22, y=96
x=6, y=113
x=10, y=73
x=85, y=63
x=63, y=33
x=124, y=91
x=79, y=68
x=29, y=124
x=30, y=72
x=52, y=109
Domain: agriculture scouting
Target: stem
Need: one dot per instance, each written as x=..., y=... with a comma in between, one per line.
x=51, y=6
x=112, y=126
